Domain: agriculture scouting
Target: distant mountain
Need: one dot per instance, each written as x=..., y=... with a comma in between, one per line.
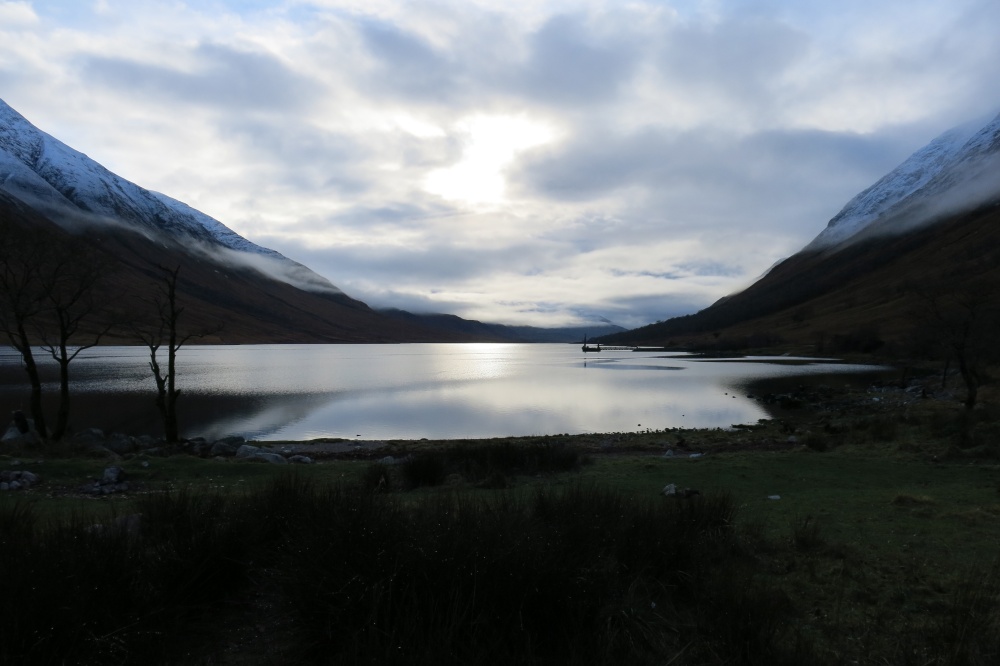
x=259, y=295
x=932, y=225
x=501, y=332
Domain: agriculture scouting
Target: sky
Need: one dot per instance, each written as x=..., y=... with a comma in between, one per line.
x=542, y=162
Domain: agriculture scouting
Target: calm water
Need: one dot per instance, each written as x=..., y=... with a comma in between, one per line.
x=438, y=391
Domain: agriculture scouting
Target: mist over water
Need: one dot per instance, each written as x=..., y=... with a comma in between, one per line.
x=437, y=391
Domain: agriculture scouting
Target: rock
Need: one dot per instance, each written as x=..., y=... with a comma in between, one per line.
x=112, y=475
x=112, y=481
x=255, y=453
x=25, y=478
x=247, y=451
x=669, y=453
x=144, y=442
x=301, y=460
x=4, y=485
x=120, y=444
x=14, y=437
x=89, y=436
x=21, y=422
x=99, y=451
x=226, y=447
x=774, y=497
x=235, y=441
x=670, y=490
x=696, y=455
x=21, y=430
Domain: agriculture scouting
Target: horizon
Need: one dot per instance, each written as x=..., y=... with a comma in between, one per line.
x=546, y=164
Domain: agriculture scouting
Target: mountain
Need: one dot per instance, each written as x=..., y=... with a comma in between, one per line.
x=929, y=229
x=256, y=293
x=955, y=172
x=502, y=332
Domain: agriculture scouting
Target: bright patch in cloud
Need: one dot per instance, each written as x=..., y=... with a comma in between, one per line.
x=490, y=146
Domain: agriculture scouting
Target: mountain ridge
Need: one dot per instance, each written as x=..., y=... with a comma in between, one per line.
x=931, y=225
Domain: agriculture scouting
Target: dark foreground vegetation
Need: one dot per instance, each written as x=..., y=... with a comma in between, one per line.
x=581, y=575
x=882, y=549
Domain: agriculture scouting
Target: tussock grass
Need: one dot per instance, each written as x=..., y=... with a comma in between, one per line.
x=582, y=575
x=489, y=466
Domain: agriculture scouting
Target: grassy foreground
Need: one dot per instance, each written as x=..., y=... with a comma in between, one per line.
x=882, y=549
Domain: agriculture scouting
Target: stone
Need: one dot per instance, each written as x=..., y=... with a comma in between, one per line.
x=226, y=447
x=247, y=451
x=696, y=455
x=112, y=475
x=120, y=444
x=669, y=453
x=89, y=436
x=27, y=478
x=300, y=460
x=257, y=454
x=671, y=490
x=15, y=437
x=774, y=497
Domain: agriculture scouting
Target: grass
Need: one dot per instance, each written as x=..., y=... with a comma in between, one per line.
x=883, y=548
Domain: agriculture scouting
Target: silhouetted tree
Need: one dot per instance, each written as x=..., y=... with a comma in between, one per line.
x=71, y=285
x=164, y=331
x=22, y=300
x=48, y=294
x=962, y=322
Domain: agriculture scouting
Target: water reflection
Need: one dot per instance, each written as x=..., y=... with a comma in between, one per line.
x=411, y=391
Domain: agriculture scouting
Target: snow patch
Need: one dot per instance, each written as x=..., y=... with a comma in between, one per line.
x=44, y=172
x=956, y=171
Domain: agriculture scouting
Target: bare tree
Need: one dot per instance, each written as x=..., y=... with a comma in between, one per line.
x=164, y=331
x=73, y=297
x=49, y=298
x=21, y=301
x=963, y=323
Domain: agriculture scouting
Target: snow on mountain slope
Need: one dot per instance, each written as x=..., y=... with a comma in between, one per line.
x=41, y=170
x=959, y=169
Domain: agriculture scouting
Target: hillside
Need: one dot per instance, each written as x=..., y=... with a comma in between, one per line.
x=924, y=234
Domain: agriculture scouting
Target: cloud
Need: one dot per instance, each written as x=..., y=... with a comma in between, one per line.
x=17, y=15
x=407, y=65
x=687, y=145
x=570, y=63
x=220, y=75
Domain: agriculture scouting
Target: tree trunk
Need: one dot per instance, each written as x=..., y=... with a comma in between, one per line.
x=62, y=416
x=971, y=378
x=35, y=403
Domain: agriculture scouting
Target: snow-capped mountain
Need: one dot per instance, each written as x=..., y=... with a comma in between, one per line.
x=49, y=175
x=928, y=229
x=957, y=171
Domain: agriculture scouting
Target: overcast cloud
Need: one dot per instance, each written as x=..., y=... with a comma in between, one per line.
x=525, y=162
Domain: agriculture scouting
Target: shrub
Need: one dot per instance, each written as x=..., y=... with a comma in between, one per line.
x=425, y=469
